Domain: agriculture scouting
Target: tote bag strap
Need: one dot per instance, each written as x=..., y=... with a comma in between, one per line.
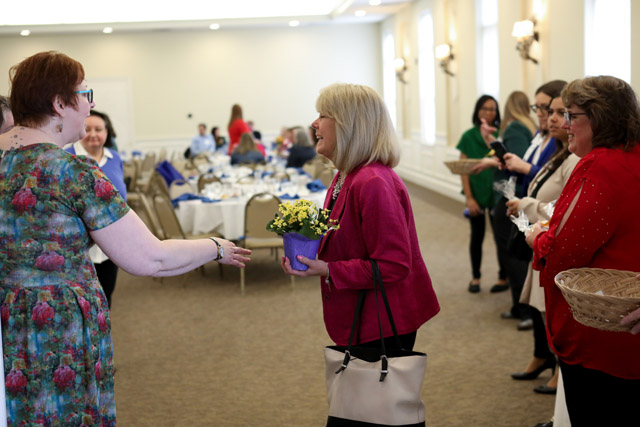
x=377, y=283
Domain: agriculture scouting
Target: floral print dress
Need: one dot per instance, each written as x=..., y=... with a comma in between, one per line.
x=56, y=332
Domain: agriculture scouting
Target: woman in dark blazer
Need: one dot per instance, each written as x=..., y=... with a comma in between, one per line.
x=372, y=206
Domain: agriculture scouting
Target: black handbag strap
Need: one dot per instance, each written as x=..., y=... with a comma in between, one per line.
x=377, y=284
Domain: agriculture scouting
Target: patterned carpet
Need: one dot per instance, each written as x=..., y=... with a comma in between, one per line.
x=191, y=351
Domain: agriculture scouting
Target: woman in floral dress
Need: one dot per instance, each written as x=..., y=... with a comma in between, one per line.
x=56, y=333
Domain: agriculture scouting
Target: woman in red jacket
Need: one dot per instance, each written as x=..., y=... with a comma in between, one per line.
x=237, y=127
x=594, y=225
x=372, y=206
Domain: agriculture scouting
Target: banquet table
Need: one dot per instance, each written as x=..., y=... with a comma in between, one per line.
x=225, y=216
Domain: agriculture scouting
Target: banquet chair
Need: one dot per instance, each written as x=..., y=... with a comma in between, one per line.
x=326, y=176
x=200, y=161
x=206, y=179
x=179, y=187
x=171, y=227
x=130, y=175
x=246, y=180
x=281, y=176
x=260, y=209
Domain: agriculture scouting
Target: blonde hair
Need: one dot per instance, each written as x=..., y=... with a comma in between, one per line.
x=246, y=144
x=518, y=109
x=364, y=131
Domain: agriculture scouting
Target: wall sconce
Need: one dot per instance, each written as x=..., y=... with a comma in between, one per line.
x=401, y=69
x=444, y=54
x=526, y=34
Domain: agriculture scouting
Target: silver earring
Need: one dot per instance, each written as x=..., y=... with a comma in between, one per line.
x=60, y=126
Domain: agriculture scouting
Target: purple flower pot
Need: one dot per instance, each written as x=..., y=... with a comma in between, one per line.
x=296, y=244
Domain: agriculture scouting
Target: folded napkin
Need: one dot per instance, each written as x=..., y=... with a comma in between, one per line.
x=288, y=196
x=191, y=196
x=316, y=185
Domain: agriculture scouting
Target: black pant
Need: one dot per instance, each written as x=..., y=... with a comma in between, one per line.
x=540, y=344
x=516, y=269
x=478, y=226
x=407, y=341
x=595, y=398
x=107, y=273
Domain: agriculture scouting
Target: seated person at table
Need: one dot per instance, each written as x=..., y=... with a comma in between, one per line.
x=202, y=143
x=246, y=151
x=220, y=141
x=302, y=151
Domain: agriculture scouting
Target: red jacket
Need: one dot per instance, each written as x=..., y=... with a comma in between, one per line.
x=376, y=222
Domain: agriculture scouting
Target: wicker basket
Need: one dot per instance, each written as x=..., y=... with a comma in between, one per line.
x=462, y=167
x=600, y=298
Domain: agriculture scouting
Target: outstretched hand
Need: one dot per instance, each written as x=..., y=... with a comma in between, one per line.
x=233, y=255
x=316, y=267
x=486, y=130
x=631, y=318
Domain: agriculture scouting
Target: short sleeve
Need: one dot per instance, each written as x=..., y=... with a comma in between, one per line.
x=92, y=196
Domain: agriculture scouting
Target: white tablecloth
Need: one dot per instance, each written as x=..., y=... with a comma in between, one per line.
x=225, y=217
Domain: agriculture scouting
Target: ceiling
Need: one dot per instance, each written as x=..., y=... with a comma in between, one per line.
x=78, y=16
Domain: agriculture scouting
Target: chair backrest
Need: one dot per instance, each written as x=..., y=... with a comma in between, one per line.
x=260, y=209
x=281, y=176
x=156, y=184
x=179, y=187
x=167, y=217
x=149, y=162
x=162, y=155
x=326, y=176
x=130, y=175
x=206, y=179
x=246, y=180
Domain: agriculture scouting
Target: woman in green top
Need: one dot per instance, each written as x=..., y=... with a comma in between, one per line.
x=478, y=189
x=516, y=130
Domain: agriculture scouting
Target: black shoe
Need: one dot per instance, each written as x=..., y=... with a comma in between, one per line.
x=548, y=364
x=508, y=315
x=473, y=288
x=545, y=389
x=547, y=424
x=525, y=325
x=499, y=288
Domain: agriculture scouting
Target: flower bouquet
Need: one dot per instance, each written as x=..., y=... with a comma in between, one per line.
x=301, y=225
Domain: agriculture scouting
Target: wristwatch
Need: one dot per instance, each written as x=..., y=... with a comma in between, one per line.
x=220, y=249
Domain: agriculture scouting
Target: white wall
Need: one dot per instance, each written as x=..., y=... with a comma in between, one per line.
x=274, y=73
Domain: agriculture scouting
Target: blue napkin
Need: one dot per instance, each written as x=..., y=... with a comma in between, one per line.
x=316, y=185
x=191, y=196
x=288, y=196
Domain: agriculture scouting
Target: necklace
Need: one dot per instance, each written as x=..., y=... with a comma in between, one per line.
x=338, y=186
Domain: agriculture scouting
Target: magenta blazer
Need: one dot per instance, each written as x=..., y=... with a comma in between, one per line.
x=376, y=222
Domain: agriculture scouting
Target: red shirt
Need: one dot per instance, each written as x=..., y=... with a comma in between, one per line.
x=237, y=128
x=376, y=222
x=602, y=231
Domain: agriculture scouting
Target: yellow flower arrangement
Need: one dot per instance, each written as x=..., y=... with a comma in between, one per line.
x=302, y=217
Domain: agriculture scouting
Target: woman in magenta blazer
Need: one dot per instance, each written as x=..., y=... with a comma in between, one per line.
x=372, y=206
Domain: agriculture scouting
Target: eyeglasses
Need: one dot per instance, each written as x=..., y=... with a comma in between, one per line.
x=89, y=94
x=568, y=116
x=487, y=109
x=542, y=108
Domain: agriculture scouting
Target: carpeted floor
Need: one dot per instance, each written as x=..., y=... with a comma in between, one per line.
x=191, y=351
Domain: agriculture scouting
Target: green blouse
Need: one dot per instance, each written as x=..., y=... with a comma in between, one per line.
x=473, y=146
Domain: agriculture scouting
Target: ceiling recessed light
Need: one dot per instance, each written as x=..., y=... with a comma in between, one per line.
x=375, y=2
x=107, y=30
x=25, y=32
x=294, y=23
x=360, y=12
x=214, y=26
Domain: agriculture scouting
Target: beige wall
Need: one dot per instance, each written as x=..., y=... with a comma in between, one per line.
x=560, y=53
x=274, y=73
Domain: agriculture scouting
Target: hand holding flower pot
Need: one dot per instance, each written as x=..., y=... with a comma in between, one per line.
x=301, y=225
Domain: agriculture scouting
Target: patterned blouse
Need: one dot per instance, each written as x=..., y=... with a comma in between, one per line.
x=56, y=332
